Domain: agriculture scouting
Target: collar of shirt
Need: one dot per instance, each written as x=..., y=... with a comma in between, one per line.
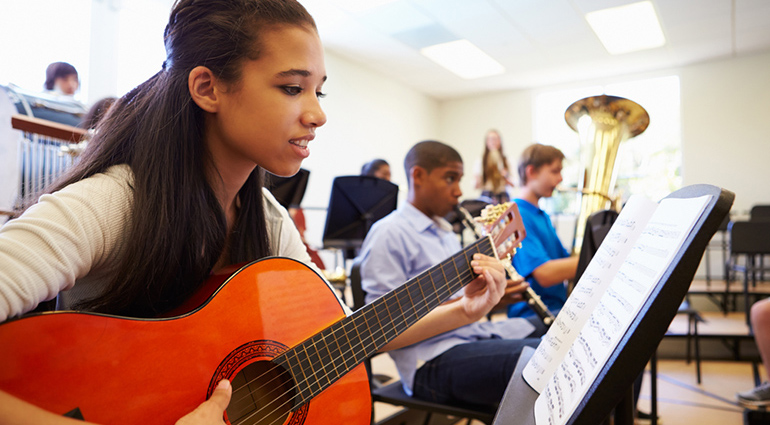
x=524, y=204
x=422, y=222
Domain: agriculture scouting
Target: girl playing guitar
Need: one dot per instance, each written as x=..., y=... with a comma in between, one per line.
x=170, y=188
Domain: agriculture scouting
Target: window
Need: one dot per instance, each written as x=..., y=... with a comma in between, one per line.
x=38, y=32
x=648, y=164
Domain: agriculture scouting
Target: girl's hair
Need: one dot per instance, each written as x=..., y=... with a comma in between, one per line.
x=57, y=70
x=537, y=155
x=373, y=166
x=486, y=170
x=178, y=229
x=97, y=112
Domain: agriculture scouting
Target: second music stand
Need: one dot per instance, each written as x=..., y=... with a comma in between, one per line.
x=356, y=202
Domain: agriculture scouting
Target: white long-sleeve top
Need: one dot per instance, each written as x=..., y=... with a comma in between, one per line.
x=69, y=242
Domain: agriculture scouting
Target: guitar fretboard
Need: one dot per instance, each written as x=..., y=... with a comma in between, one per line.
x=323, y=358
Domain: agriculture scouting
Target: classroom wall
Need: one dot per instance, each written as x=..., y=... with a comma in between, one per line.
x=725, y=126
x=725, y=131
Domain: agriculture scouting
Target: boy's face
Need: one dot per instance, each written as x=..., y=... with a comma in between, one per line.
x=542, y=181
x=440, y=189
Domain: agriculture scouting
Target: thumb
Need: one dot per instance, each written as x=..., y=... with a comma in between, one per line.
x=220, y=398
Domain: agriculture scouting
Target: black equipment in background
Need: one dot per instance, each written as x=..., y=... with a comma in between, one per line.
x=598, y=225
x=356, y=202
x=45, y=106
x=288, y=191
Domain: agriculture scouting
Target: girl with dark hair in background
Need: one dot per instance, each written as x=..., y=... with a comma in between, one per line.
x=61, y=78
x=377, y=168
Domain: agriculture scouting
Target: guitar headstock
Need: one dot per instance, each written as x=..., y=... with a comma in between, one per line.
x=503, y=223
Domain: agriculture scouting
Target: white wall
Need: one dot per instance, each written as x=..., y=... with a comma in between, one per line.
x=464, y=122
x=725, y=130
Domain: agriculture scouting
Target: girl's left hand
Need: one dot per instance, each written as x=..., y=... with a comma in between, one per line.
x=484, y=292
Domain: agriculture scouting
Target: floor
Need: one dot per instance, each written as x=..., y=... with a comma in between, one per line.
x=680, y=399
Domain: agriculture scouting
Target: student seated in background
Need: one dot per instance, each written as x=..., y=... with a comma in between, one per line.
x=377, y=168
x=471, y=362
x=61, y=79
x=542, y=259
x=760, y=324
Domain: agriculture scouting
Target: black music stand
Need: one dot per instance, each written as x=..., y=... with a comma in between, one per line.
x=288, y=191
x=642, y=337
x=473, y=206
x=356, y=202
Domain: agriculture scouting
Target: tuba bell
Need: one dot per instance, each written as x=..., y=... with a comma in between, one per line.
x=602, y=123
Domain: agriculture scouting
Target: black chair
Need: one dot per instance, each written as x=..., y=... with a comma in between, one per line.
x=393, y=393
x=722, y=244
x=760, y=213
x=750, y=239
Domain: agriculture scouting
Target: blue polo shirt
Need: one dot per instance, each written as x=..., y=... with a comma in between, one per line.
x=541, y=245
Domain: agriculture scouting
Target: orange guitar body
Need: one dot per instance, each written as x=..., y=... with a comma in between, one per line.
x=117, y=370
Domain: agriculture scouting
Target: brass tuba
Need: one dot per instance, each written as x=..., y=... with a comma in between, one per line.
x=603, y=123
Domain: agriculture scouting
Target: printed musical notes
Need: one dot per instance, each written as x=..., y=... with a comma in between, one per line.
x=629, y=264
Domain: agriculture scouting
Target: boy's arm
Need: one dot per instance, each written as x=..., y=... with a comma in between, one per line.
x=556, y=271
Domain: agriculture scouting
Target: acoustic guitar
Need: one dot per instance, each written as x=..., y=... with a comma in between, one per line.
x=273, y=327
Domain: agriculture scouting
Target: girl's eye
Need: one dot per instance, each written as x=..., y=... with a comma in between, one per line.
x=320, y=95
x=292, y=90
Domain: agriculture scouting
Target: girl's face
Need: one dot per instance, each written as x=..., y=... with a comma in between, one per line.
x=493, y=141
x=270, y=116
x=67, y=84
x=383, y=172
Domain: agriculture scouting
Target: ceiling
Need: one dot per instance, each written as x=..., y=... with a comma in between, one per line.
x=539, y=42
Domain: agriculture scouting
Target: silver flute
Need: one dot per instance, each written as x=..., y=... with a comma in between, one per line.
x=530, y=296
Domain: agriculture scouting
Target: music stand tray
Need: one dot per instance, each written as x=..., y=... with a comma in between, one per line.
x=356, y=202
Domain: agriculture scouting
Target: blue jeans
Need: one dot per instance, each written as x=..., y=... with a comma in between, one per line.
x=475, y=373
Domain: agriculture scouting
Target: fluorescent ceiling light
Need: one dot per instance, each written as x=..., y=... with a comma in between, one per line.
x=464, y=59
x=627, y=28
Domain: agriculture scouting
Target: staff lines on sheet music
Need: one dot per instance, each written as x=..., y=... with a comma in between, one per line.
x=351, y=348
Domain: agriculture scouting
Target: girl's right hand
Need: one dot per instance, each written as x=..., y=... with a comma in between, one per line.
x=211, y=411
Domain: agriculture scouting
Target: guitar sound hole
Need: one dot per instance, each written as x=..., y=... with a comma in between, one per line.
x=263, y=394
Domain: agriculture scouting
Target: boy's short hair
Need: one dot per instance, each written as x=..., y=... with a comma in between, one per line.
x=430, y=154
x=537, y=155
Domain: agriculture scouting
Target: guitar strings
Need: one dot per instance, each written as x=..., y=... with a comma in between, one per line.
x=243, y=388
x=365, y=347
x=315, y=371
x=312, y=365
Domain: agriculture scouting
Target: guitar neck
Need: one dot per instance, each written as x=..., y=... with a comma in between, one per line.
x=323, y=358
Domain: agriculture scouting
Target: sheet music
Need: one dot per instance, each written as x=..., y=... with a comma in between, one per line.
x=589, y=289
x=646, y=258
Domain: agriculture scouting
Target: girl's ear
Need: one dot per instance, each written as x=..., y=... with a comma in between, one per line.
x=201, y=83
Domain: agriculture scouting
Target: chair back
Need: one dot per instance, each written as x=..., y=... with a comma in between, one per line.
x=760, y=213
x=750, y=237
x=359, y=295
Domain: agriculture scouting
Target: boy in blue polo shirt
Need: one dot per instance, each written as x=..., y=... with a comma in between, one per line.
x=542, y=259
